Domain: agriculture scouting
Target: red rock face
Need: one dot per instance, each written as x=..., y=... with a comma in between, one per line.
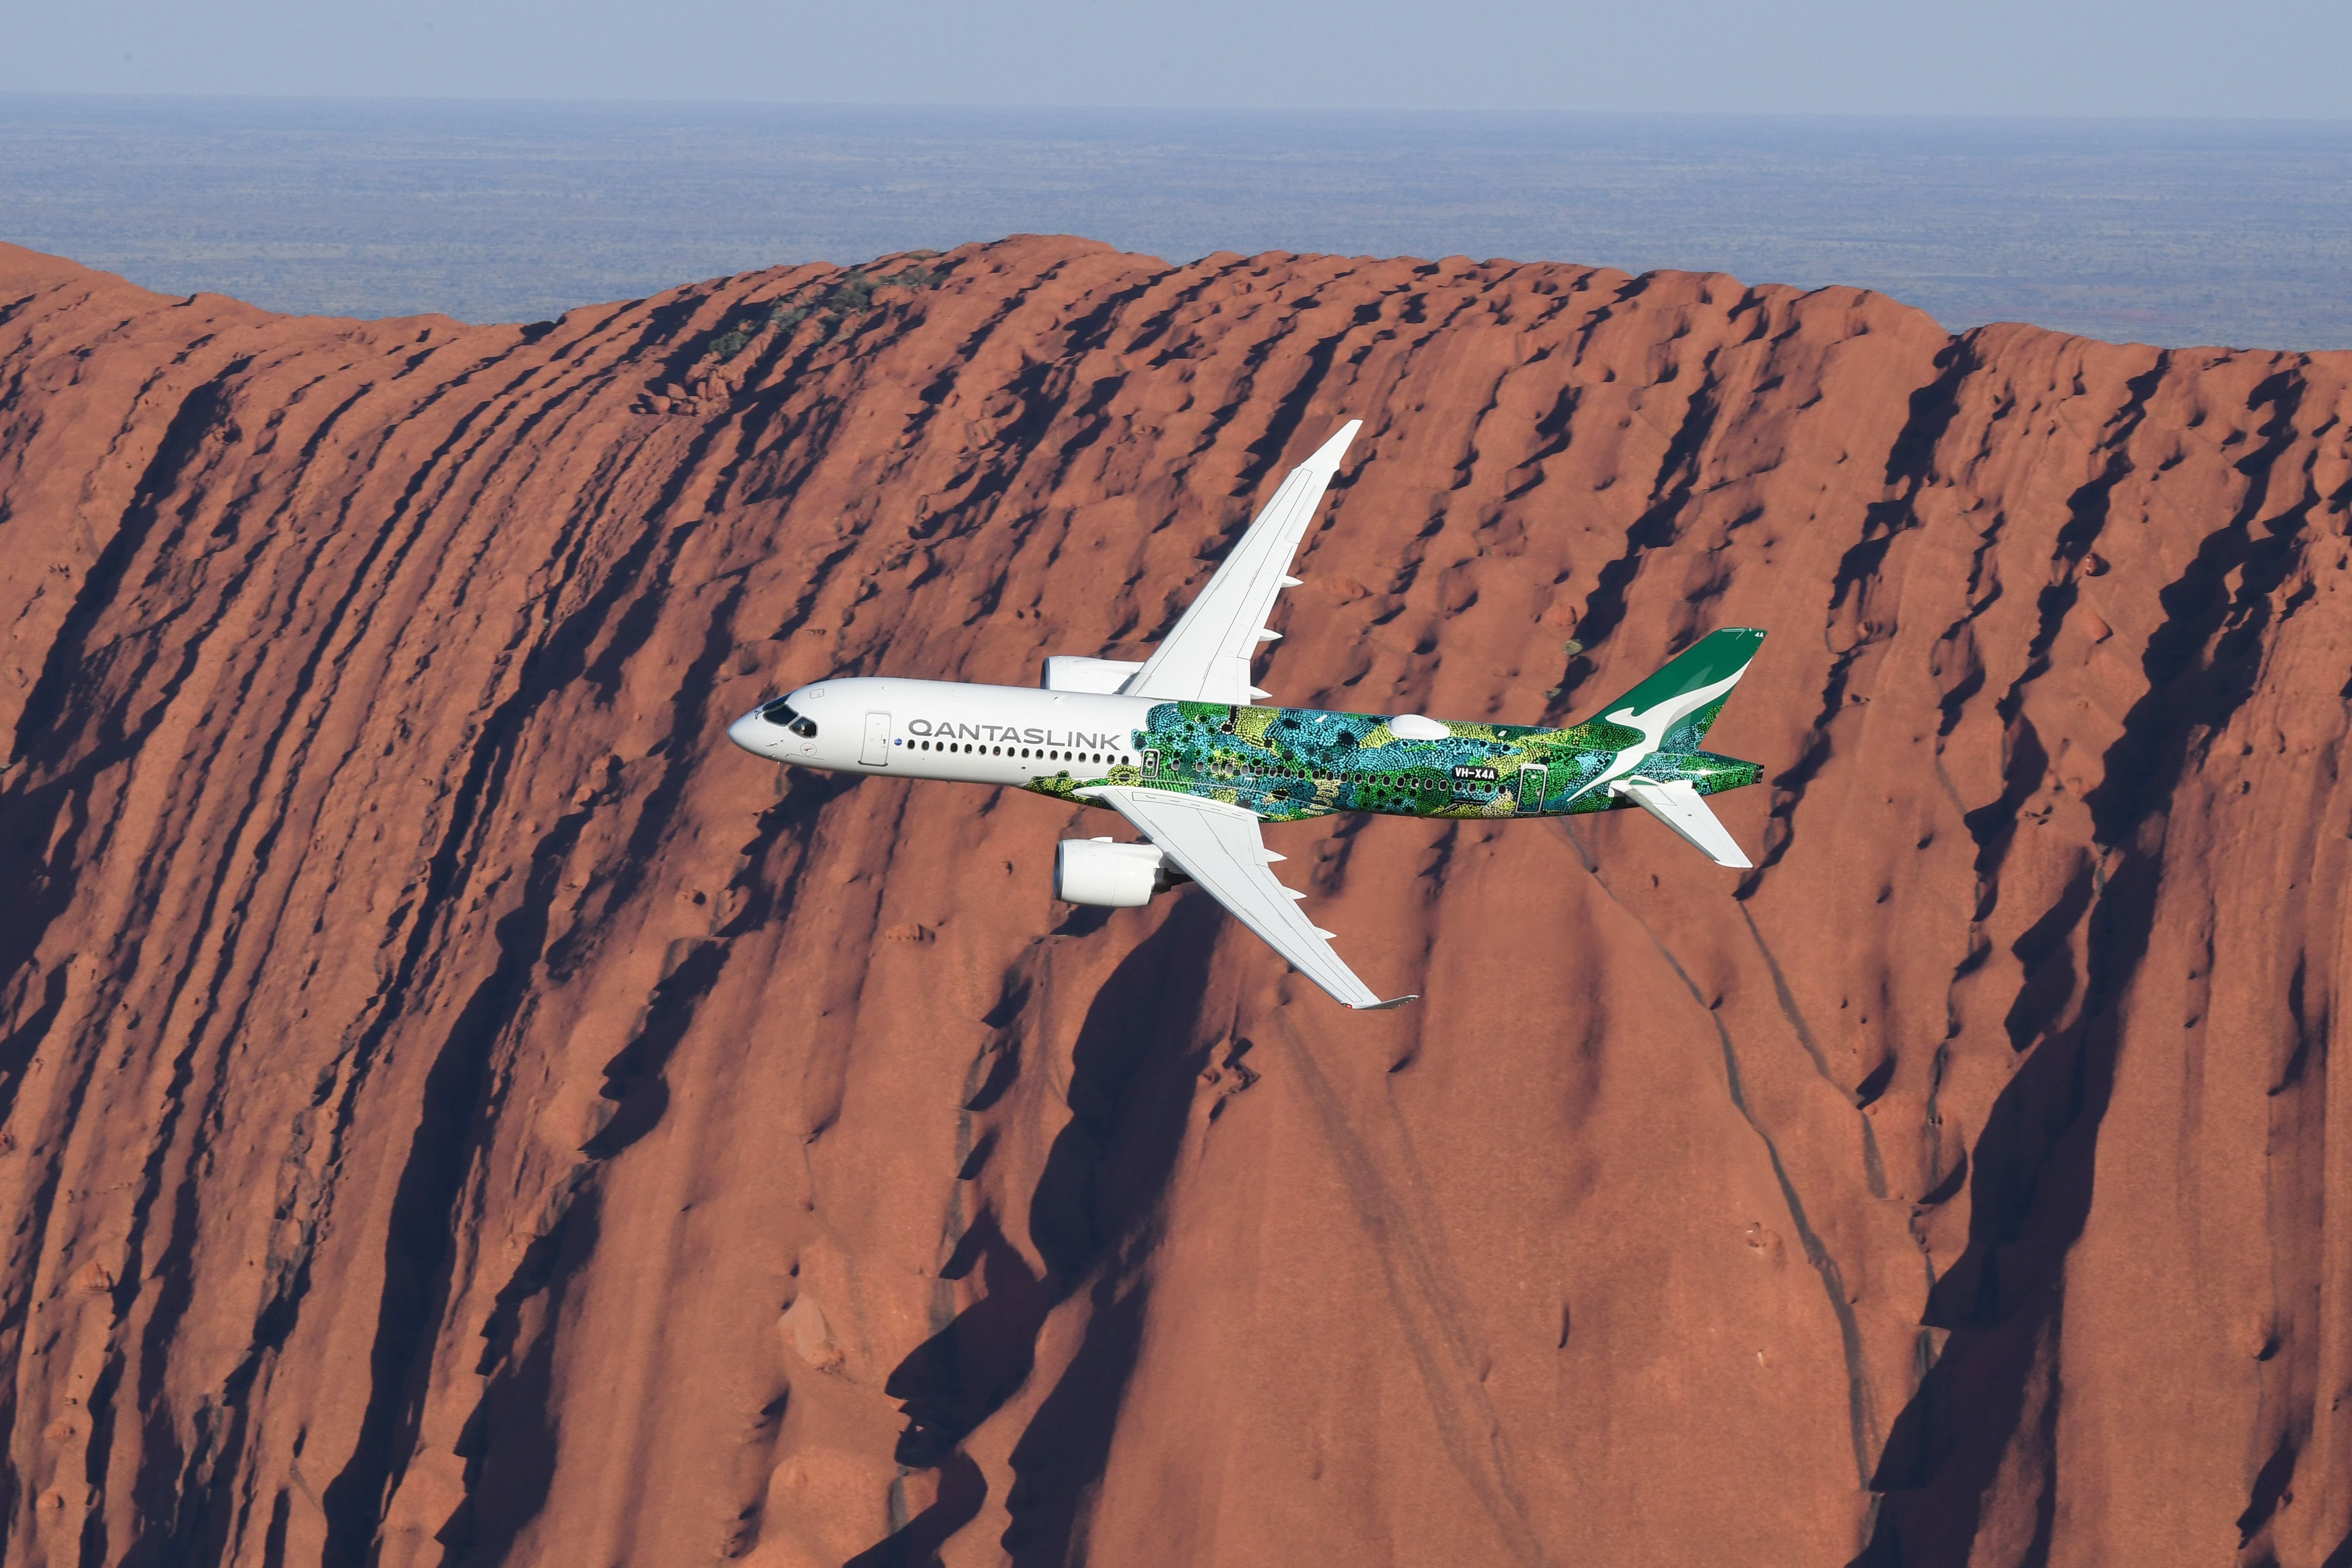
x=458, y=1109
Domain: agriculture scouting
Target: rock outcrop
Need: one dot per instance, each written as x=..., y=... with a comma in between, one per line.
x=457, y=1109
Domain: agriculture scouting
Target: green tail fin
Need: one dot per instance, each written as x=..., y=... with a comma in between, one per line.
x=1675, y=705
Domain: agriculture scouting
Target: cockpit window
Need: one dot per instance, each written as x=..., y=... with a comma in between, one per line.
x=779, y=712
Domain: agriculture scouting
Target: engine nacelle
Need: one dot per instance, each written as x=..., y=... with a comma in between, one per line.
x=1111, y=876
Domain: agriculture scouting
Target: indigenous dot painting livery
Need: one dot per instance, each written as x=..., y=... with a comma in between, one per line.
x=1283, y=765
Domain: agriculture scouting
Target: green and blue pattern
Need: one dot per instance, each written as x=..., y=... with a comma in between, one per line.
x=1286, y=764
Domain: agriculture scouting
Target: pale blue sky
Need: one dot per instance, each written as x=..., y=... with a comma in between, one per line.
x=2257, y=58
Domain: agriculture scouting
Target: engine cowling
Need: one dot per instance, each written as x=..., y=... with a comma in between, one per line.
x=1111, y=876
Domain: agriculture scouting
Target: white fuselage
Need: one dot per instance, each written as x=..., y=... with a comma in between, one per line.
x=945, y=729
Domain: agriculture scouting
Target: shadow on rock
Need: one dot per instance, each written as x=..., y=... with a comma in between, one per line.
x=916, y=1544
x=508, y=1444
x=2033, y=1166
x=2003, y=1302
x=1133, y=1067
x=1058, y=1463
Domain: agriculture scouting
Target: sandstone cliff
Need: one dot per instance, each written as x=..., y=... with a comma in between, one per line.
x=457, y=1109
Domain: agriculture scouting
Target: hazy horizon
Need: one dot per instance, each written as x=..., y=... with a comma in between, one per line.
x=913, y=106
x=2174, y=231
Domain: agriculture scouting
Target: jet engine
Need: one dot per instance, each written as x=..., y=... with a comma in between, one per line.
x=1111, y=876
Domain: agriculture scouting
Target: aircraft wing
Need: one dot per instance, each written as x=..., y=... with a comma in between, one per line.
x=1219, y=846
x=1683, y=809
x=1207, y=658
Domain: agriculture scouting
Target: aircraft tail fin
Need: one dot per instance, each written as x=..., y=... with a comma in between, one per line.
x=1674, y=706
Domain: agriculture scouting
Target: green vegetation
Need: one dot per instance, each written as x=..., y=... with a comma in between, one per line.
x=846, y=298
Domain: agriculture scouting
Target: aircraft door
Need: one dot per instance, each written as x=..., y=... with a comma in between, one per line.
x=876, y=753
x=1533, y=781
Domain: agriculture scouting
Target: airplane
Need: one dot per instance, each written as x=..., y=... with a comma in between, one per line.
x=1180, y=745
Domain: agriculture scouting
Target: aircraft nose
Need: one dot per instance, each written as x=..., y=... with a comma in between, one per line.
x=748, y=733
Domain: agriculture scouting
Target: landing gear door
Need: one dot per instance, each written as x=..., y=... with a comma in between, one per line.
x=875, y=752
x=1534, y=779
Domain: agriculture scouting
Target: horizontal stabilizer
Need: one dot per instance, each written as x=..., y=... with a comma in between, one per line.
x=1681, y=807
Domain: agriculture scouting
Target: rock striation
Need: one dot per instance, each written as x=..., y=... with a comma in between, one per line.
x=458, y=1110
